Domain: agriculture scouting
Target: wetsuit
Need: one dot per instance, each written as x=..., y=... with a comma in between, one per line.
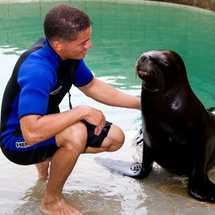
x=39, y=82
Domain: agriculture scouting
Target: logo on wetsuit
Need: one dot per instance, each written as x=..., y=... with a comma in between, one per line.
x=54, y=92
x=22, y=145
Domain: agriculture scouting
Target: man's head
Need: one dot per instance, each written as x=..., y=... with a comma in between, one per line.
x=64, y=22
x=68, y=30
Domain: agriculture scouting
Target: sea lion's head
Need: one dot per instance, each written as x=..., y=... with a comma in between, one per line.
x=160, y=70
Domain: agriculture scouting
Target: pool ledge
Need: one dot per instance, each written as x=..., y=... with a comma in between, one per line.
x=204, y=4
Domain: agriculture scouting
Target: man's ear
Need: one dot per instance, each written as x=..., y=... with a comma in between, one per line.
x=57, y=46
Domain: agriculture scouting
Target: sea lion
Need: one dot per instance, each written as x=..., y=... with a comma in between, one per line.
x=178, y=132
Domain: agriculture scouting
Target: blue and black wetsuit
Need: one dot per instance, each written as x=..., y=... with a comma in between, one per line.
x=39, y=82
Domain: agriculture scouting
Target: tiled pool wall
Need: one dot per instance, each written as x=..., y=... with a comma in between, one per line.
x=205, y=4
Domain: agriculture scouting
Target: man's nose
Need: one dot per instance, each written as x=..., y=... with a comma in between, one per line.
x=88, y=45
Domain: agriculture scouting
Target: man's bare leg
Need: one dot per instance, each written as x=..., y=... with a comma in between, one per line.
x=42, y=169
x=64, y=161
x=62, y=165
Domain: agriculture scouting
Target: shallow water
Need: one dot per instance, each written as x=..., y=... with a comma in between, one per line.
x=121, y=32
x=95, y=191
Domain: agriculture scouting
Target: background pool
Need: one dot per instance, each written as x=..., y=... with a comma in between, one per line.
x=121, y=33
x=122, y=30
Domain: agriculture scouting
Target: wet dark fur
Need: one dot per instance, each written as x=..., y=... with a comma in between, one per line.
x=178, y=132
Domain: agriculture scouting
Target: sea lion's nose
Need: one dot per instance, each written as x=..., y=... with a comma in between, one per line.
x=143, y=58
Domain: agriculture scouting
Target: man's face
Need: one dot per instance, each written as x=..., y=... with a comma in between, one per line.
x=76, y=49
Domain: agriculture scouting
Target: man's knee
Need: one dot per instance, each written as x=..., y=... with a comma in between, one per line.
x=119, y=138
x=115, y=139
x=72, y=137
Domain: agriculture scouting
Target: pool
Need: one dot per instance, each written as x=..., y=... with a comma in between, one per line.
x=122, y=30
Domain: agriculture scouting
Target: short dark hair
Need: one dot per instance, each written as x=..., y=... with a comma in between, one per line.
x=64, y=22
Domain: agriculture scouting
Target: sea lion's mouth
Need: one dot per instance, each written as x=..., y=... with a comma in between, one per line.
x=145, y=75
x=146, y=83
x=142, y=73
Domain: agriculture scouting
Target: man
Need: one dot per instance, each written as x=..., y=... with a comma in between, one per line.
x=33, y=131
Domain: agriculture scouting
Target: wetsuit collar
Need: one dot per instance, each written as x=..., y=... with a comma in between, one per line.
x=52, y=50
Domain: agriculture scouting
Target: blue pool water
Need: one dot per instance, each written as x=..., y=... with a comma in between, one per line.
x=121, y=32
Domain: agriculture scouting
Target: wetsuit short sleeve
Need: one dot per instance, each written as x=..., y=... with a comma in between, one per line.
x=83, y=75
x=35, y=89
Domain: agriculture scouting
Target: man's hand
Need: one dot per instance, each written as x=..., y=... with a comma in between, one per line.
x=95, y=117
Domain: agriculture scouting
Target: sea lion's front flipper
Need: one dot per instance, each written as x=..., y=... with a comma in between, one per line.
x=201, y=188
x=127, y=168
x=131, y=169
x=147, y=162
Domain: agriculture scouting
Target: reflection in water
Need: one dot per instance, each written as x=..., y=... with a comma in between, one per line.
x=30, y=203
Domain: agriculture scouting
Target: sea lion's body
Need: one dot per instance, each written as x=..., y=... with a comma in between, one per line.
x=178, y=132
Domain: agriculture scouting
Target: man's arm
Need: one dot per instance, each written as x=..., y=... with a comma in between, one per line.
x=106, y=94
x=36, y=128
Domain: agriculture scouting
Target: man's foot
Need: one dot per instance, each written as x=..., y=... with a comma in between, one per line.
x=42, y=169
x=58, y=207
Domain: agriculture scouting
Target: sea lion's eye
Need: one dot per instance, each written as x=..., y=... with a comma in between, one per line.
x=165, y=63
